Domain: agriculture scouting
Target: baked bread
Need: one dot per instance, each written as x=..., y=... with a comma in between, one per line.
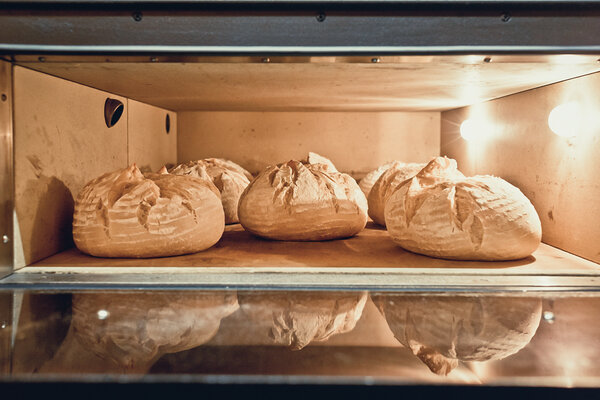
x=443, y=330
x=296, y=319
x=441, y=213
x=316, y=159
x=228, y=177
x=297, y=201
x=367, y=182
x=128, y=332
x=386, y=185
x=126, y=214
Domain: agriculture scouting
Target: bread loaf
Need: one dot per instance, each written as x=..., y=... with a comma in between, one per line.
x=443, y=330
x=316, y=159
x=441, y=213
x=126, y=214
x=367, y=182
x=386, y=185
x=228, y=177
x=296, y=319
x=296, y=201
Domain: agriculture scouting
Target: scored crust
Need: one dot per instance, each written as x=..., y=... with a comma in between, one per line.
x=297, y=201
x=127, y=214
x=442, y=213
x=228, y=177
x=367, y=182
x=386, y=185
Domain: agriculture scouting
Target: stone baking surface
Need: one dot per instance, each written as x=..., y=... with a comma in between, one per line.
x=368, y=251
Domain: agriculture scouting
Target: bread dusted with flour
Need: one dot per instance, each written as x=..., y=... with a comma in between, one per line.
x=126, y=214
x=367, y=182
x=443, y=330
x=385, y=186
x=228, y=177
x=315, y=159
x=442, y=213
x=297, y=201
x=298, y=318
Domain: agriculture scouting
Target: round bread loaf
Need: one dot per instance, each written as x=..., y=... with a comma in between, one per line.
x=296, y=201
x=441, y=213
x=127, y=214
x=443, y=330
x=228, y=177
x=296, y=319
x=385, y=186
x=366, y=183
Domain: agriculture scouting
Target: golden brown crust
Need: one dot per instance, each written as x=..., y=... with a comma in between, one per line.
x=228, y=177
x=441, y=213
x=386, y=185
x=367, y=182
x=126, y=214
x=297, y=201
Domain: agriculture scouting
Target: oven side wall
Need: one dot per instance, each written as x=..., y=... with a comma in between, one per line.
x=559, y=175
x=61, y=143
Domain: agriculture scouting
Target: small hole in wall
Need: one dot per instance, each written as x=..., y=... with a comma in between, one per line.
x=113, y=110
x=168, y=124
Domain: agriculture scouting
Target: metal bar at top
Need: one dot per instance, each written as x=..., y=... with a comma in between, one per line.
x=242, y=30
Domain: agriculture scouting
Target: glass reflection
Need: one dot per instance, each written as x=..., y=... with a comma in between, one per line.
x=442, y=330
x=470, y=338
x=296, y=319
x=128, y=332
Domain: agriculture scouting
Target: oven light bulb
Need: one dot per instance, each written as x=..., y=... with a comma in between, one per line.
x=565, y=119
x=472, y=129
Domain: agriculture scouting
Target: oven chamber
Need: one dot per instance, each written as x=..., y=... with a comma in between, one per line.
x=262, y=84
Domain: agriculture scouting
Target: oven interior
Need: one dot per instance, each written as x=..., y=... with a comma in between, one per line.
x=359, y=111
x=77, y=117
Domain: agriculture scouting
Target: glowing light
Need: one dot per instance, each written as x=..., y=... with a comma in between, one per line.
x=473, y=129
x=565, y=120
x=103, y=314
x=548, y=317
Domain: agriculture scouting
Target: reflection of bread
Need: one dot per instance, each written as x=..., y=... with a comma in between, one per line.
x=443, y=330
x=127, y=214
x=385, y=186
x=228, y=177
x=369, y=180
x=441, y=213
x=296, y=201
x=297, y=318
x=138, y=328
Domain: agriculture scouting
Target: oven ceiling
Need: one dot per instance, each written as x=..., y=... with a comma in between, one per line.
x=407, y=83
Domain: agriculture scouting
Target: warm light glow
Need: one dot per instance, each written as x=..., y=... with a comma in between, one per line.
x=103, y=314
x=548, y=317
x=473, y=129
x=565, y=119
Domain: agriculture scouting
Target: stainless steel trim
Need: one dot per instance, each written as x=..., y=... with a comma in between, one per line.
x=471, y=59
x=302, y=280
x=309, y=2
x=6, y=170
x=417, y=50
